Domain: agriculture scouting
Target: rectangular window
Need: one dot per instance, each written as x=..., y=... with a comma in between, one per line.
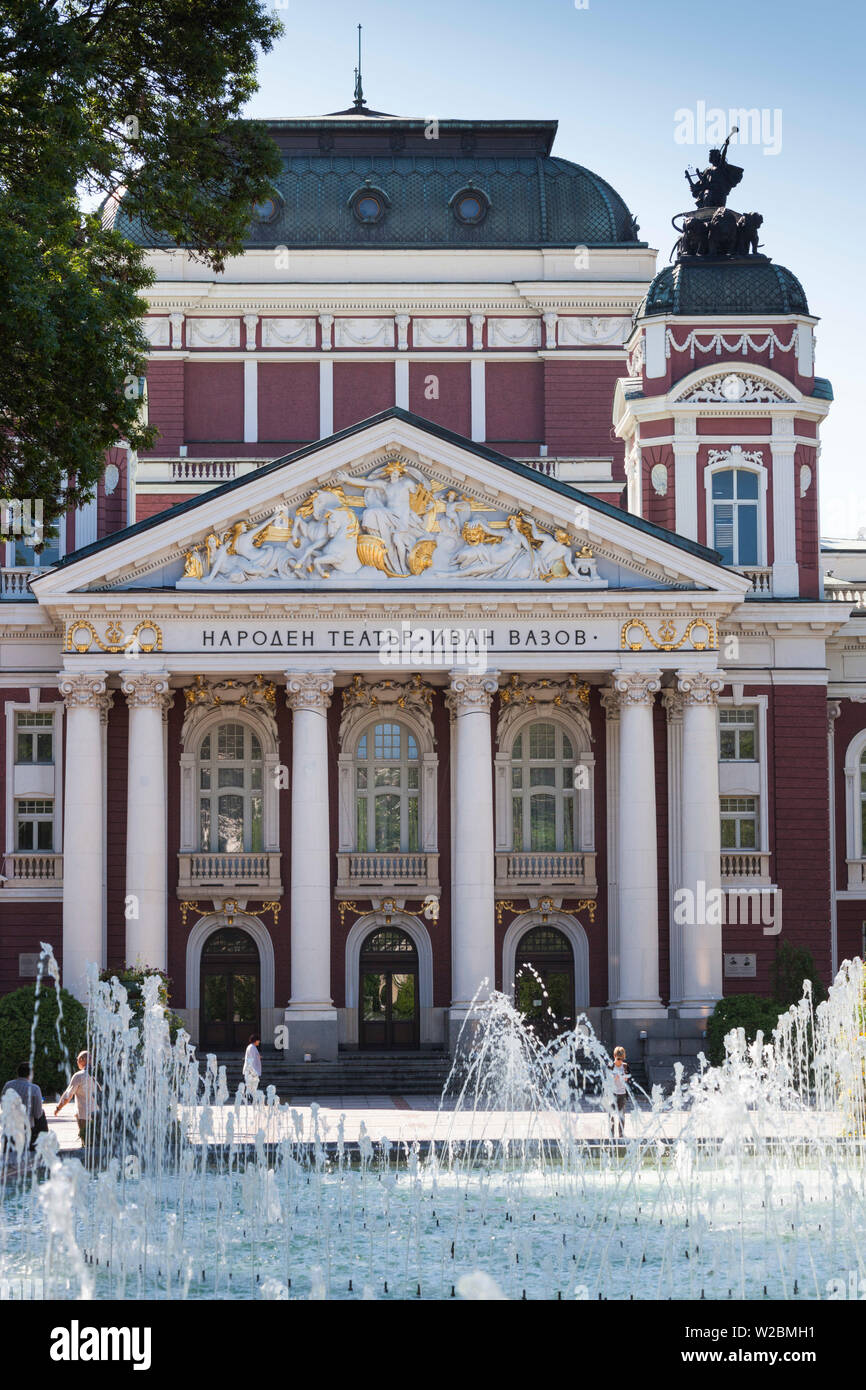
x=34, y=822
x=739, y=822
x=34, y=736
x=738, y=734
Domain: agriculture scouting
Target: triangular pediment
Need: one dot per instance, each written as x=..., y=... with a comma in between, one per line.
x=392, y=504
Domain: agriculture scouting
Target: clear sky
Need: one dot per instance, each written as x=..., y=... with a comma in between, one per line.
x=615, y=73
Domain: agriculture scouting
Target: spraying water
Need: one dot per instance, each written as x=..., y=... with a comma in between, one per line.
x=746, y=1182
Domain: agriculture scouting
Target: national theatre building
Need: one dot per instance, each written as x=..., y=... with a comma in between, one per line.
x=468, y=615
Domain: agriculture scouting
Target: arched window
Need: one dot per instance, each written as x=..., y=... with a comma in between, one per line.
x=543, y=788
x=855, y=818
x=230, y=790
x=736, y=529
x=387, y=790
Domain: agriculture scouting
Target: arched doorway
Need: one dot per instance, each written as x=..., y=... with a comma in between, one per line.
x=388, y=995
x=230, y=971
x=545, y=953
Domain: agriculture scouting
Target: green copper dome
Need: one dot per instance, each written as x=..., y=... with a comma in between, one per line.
x=724, y=287
x=528, y=197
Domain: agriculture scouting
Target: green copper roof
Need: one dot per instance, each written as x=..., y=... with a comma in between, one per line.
x=725, y=287
x=535, y=199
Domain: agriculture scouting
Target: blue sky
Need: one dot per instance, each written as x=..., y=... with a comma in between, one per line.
x=614, y=74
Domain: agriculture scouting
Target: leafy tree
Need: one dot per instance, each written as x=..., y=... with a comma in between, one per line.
x=132, y=100
x=791, y=967
x=53, y=1055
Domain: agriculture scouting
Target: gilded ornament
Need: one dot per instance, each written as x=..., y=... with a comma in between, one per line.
x=667, y=640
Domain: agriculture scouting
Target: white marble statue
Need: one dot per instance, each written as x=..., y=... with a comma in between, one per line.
x=391, y=516
x=511, y=557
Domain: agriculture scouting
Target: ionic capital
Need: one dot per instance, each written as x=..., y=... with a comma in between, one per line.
x=146, y=689
x=635, y=687
x=85, y=690
x=310, y=690
x=470, y=690
x=700, y=687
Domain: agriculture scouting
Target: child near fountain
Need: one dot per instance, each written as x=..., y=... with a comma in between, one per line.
x=620, y=1092
x=83, y=1088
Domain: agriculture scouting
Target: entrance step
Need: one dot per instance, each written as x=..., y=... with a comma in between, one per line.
x=353, y=1074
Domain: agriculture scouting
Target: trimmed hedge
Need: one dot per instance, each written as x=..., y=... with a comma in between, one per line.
x=50, y=1065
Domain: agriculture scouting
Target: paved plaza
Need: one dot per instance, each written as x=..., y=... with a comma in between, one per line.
x=423, y=1119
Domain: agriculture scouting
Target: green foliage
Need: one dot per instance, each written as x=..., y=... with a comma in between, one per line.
x=51, y=1065
x=752, y=1012
x=791, y=966
x=132, y=977
x=102, y=100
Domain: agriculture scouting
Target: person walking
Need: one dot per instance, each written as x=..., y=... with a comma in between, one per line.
x=81, y=1088
x=31, y=1098
x=253, y=1064
x=620, y=1093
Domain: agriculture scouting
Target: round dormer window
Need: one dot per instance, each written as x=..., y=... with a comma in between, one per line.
x=369, y=204
x=267, y=208
x=368, y=208
x=470, y=206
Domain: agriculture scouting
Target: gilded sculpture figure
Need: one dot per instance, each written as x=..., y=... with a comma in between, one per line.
x=394, y=521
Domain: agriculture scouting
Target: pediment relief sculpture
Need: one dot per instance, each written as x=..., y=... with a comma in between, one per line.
x=396, y=522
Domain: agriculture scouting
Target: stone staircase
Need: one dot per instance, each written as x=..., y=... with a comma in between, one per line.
x=353, y=1074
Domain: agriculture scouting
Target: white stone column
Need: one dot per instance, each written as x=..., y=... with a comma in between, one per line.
x=686, y=475
x=148, y=696
x=786, y=571
x=478, y=400
x=637, y=836
x=473, y=949
x=700, y=841
x=83, y=847
x=310, y=1017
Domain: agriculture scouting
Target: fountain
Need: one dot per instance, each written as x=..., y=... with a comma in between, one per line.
x=746, y=1182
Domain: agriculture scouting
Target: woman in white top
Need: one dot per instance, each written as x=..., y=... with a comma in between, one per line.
x=253, y=1063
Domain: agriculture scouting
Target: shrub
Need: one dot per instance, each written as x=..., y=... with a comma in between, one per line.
x=754, y=1013
x=50, y=1064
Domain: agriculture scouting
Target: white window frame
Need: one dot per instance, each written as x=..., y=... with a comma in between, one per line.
x=726, y=466
x=246, y=792
x=855, y=787
x=37, y=818
x=584, y=820
x=404, y=793
x=428, y=764
x=746, y=816
x=190, y=833
x=560, y=793
x=734, y=776
x=737, y=728
x=17, y=793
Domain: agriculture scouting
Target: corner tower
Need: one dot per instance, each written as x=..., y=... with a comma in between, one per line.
x=721, y=409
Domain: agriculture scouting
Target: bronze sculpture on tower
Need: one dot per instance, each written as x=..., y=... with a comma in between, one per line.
x=715, y=232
